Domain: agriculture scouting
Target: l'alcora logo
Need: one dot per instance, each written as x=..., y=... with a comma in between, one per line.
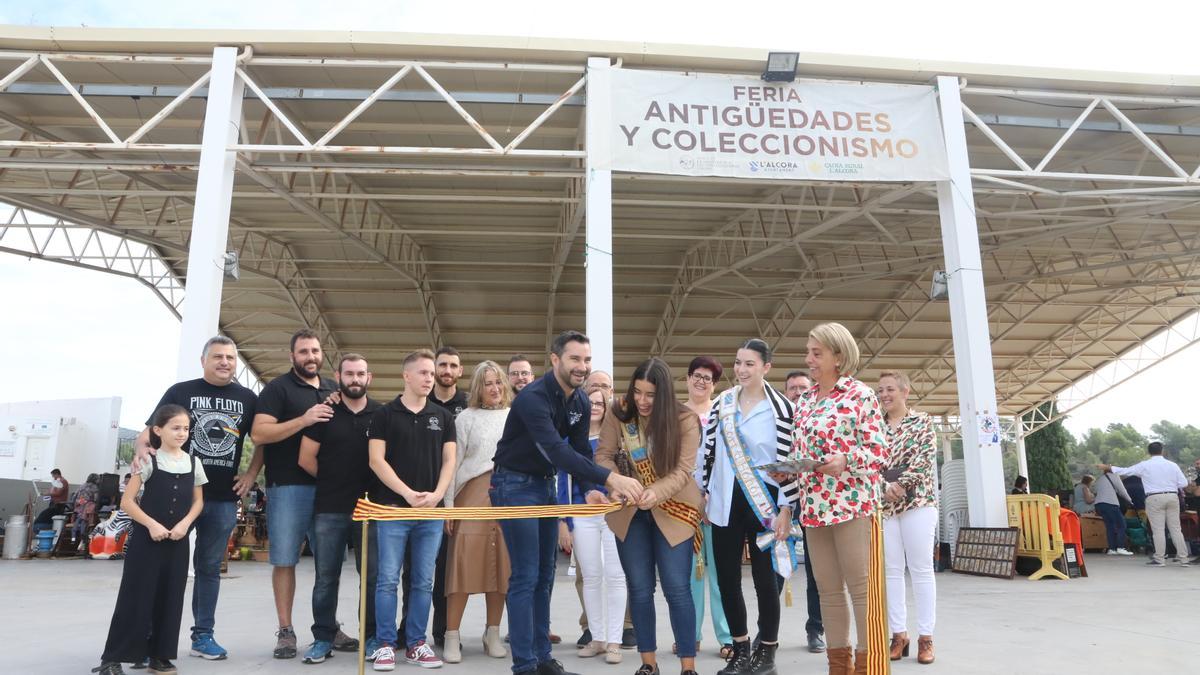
x=435, y=424
x=772, y=167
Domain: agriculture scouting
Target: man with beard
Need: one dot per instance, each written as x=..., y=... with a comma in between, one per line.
x=796, y=383
x=221, y=413
x=335, y=454
x=546, y=430
x=448, y=369
x=287, y=406
x=520, y=372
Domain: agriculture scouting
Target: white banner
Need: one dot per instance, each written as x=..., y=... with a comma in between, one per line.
x=742, y=127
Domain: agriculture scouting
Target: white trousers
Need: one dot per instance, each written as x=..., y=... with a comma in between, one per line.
x=604, y=593
x=908, y=541
x=1163, y=512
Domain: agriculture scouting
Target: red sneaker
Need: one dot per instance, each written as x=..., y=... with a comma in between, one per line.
x=422, y=655
x=385, y=658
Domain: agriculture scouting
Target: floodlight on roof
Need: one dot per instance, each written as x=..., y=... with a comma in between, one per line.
x=781, y=66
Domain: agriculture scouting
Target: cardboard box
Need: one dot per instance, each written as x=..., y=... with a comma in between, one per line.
x=1093, y=534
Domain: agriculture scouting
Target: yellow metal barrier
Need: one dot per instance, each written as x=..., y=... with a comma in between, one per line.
x=1036, y=517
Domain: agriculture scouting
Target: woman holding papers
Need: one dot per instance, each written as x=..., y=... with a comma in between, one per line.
x=749, y=426
x=839, y=423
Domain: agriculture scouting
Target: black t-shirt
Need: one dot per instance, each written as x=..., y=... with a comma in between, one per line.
x=286, y=398
x=414, y=446
x=221, y=418
x=343, y=468
x=456, y=404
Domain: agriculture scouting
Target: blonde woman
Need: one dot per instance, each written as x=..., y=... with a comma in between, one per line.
x=839, y=423
x=476, y=558
x=910, y=514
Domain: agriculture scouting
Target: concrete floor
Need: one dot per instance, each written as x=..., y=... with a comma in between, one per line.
x=1126, y=618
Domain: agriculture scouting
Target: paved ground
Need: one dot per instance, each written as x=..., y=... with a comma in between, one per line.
x=1125, y=619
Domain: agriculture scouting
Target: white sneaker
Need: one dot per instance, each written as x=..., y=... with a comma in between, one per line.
x=1111, y=552
x=1123, y=551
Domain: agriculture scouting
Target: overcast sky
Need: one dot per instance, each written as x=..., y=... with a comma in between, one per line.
x=73, y=333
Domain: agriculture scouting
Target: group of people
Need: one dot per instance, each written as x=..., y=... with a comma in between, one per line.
x=697, y=483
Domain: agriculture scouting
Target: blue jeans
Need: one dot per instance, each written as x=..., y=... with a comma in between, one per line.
x=289, y=521
x=1114, y=524
x=395, y=536
x=643, y=549
x=720, y=626
x=532, y=544
x=213, y=527
x=333, y=533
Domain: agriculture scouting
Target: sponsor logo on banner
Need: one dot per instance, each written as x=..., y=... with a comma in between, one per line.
x=737, y=126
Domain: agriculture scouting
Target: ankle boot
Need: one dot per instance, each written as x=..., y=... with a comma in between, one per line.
x=899, y=647
x=452, y=649
x=840, y=661
x=860, y=663
x=762, y=662
x=739, y=664
x=925, y=649
x=492, y=646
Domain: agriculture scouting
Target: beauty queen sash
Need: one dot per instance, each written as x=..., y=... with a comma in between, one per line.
x=635, y=445
x=782, y=552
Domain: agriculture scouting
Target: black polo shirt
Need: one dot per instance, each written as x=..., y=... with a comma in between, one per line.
x=286, y=398
x=343, y=467
x=456, y=404
x=414, y=446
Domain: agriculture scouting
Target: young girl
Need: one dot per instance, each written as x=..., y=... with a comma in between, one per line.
x=145, y=622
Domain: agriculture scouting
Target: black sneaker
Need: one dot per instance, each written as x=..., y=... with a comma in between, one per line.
x=109, y=668
x=628, y=639
x=762, y=662
x=740, y=663
x=162, y=667
x=585, y=639
x=648, y=669
x=552, y=667
x=816, y=643
x=140, y=665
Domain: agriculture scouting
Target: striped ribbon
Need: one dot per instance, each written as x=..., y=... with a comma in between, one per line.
x=878, y=648
x=366, y=509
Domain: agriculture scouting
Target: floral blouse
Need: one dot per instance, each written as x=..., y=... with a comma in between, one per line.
x=848, y=421
x=912, y=444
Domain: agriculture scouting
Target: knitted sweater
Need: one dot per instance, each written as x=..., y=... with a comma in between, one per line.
x=478, y=430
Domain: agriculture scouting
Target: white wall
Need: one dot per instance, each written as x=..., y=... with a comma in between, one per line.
x=78, y=436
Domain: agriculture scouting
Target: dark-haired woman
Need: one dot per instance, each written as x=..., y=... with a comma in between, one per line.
x=659, y=436
x=749, y=425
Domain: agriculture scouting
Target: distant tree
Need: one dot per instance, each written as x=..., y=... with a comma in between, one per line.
x=1180, y=443
x=1046, y=451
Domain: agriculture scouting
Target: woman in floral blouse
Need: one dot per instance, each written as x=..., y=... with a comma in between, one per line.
x=839, y=424
x=910, y=514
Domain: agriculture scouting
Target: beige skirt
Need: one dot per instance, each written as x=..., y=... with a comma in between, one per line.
x=476, y=558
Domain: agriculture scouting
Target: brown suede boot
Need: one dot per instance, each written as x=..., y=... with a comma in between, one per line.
x=925, y=649
x=840, y=660
x=860, y=663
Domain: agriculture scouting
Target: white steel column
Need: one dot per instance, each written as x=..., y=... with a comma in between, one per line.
x=1022, y=461
x=598, y=189
x=969, y=324
x=210, y=219
x=947, y=448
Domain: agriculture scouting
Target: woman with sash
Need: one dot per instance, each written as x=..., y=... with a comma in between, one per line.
x=661, y=531
x=750, y=426
x=839, y=424
x=703, y=374
x=910, y=514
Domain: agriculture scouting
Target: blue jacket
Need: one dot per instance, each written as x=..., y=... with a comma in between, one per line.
x=546, y=431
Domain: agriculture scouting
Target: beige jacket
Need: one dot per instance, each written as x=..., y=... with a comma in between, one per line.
x=678, y=485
